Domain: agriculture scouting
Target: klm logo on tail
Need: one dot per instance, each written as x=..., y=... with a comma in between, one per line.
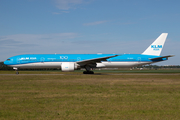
x=156, y=47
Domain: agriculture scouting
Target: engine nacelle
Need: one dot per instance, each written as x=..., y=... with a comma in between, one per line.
x=68, y=66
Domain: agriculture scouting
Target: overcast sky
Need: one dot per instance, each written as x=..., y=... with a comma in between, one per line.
x=88, y=26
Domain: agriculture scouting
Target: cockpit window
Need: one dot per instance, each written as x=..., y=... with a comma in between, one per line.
x=8, y=59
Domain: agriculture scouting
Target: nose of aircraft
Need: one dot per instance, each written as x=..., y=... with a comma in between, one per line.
x=6, y=62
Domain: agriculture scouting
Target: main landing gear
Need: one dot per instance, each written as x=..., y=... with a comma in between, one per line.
x=88, y=70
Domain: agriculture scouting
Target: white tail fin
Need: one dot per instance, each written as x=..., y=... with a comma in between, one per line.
x=156, y=47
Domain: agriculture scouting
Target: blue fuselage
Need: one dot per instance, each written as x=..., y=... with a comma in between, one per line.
x=54, y=60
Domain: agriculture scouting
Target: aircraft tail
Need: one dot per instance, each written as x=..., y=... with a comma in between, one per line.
x=156, y=47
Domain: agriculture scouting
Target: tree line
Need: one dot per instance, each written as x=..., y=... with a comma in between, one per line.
x=4, y=67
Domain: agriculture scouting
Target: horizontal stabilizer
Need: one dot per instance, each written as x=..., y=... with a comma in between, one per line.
x=161, y=57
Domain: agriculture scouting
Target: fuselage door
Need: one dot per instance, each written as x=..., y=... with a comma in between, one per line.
x=78, y=59
x=18, y=60
x=109, y=60
x=42, y=59
x=139, y=59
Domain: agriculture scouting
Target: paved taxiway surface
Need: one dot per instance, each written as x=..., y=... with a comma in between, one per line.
x=93, y=74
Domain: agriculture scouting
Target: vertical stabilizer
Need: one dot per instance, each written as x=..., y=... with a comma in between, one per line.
x=156, y=47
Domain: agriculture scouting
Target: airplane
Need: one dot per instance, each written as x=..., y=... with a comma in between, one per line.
x=71, y=62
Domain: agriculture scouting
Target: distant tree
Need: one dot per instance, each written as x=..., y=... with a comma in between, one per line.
x=4, y=67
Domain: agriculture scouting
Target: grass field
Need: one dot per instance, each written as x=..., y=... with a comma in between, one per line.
x=77, y=96
x=165, y=71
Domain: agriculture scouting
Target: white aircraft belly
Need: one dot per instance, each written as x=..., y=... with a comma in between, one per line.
x=99, y=65
x=39, y=65
x=123, y=64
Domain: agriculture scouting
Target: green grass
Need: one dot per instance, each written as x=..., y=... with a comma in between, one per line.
x=166, y=71
x=90, y=97
x=140, y=71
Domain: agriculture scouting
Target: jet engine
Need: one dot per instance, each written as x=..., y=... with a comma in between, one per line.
x=68, y=66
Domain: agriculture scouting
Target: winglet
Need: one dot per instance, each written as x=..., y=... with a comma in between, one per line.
x=156, y=47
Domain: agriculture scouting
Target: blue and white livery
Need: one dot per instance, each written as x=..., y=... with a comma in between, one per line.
x=71, y=62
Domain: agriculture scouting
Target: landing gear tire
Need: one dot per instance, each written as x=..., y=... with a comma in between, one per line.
x=88, y=72
x=17, y=72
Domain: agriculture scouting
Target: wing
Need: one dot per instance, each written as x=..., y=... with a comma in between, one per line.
x=158, y=58
x=94, y=60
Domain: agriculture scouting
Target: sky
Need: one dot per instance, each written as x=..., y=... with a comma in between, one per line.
x=88, y=27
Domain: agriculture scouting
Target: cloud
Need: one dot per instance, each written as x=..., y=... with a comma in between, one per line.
x=57, y=13
x=30, y=43
x=127, y=23
x=28, y=38
x=94, y=23
x=67, y=4
x=8, y=42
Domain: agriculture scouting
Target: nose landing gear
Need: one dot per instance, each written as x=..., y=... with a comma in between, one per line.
x=17, y=72
x=16, y=69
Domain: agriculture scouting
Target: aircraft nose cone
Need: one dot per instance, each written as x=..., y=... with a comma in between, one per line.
x=6, y=62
